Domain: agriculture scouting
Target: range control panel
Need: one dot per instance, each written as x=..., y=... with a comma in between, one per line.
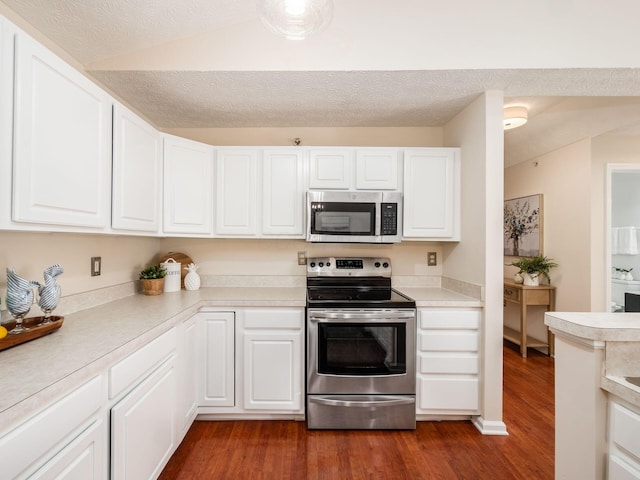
x=348, y=266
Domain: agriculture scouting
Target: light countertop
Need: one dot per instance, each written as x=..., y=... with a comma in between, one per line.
x=438, y=297
x=600, y=326
x=92, y=340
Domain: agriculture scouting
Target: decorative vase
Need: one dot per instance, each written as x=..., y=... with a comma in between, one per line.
x=152, y=286
x=531, y=279
x=19, y=299
x=192, y=279
x=518, y=278
x=49, y=293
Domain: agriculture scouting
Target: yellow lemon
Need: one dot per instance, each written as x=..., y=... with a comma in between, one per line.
x=3, y=332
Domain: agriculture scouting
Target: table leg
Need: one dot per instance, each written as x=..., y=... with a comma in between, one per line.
x=523, y=324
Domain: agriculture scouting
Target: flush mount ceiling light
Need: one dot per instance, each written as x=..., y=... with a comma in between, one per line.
x=514, y=117
x=295, y=19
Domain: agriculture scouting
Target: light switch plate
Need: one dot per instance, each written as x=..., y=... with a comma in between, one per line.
x=96, y=266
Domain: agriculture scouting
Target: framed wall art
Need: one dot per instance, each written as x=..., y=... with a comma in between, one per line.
x=523, y=226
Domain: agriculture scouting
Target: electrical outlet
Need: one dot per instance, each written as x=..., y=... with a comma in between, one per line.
x=96, y=266
x=432, y=259
x=302, y=258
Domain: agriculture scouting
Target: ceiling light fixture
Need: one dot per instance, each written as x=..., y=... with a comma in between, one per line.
x=296, y=19
x=514, y=117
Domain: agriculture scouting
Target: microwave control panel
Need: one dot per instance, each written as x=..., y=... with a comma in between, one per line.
x=389, y=219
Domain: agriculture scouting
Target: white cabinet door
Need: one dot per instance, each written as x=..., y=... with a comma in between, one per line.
x=216, y=359
x=272, y=359
x=431, y=194
x=187, y=391
x=272, y=369
x=283, y=193
x=330, y=168
x=84, y=458
x=377, y=169
x=6, y=120
x=188, y=186
x=143, y=427
x=62, y=148
x=236, y=191
x=137, y=173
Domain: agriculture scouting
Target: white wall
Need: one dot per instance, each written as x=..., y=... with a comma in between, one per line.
x=30, y=253
x=476, y=259
x=563, y=177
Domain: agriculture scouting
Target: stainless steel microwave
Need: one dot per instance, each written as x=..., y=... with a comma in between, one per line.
x=354, y=217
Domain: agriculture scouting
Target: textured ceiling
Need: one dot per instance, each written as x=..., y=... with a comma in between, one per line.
x=565, y=105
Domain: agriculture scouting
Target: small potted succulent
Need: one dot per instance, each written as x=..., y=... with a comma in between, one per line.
x=152, y=279
x=532, y=267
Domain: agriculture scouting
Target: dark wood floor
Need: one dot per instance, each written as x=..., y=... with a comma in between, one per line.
x=435, y=450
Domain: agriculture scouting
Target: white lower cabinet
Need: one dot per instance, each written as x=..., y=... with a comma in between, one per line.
x=272, y=353
x=252, y=361
x=448, y=361
x=82, y=459
x=64, y=441
x=187, y=381
x=624, y=442
x=143, y=426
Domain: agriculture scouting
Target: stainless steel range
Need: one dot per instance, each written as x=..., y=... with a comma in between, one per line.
x=361, y=354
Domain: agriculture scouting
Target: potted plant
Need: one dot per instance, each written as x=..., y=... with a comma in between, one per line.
x=152, y=280
x=532, y=267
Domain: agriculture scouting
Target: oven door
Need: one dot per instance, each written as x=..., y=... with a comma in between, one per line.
x=367, y=351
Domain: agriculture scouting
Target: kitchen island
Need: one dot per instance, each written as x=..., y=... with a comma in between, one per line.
x=595, y=353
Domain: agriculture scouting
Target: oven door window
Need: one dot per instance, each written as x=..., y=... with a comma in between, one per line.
x=335, y=218
x=362, y=349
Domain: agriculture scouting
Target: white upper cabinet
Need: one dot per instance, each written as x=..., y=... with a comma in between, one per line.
x=283, y=192
x=6, y=119
x=330, y=168
x=432, y=194
x=137, y=173
x=236, y=191
x=62, y=147
x=377, y=169
x=188, y=187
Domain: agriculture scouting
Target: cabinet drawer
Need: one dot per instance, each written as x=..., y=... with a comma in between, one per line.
x=621, y=470
x=450, y=319
x=26, y=444
x=512, y=294
x=448, y=363
x=625, y=429
x=450, y=394
x=448, y=341
x=286, y=318
x=125, y=374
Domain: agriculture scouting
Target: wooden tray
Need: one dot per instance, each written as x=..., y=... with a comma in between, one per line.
x=33, y=332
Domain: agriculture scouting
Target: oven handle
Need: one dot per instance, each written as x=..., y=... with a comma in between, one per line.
x=380, y=401
x=381, y=316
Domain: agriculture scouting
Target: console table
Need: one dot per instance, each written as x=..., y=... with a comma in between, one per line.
x=524, y=296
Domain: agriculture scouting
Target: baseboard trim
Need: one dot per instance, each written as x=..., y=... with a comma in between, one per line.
x=489, y=427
